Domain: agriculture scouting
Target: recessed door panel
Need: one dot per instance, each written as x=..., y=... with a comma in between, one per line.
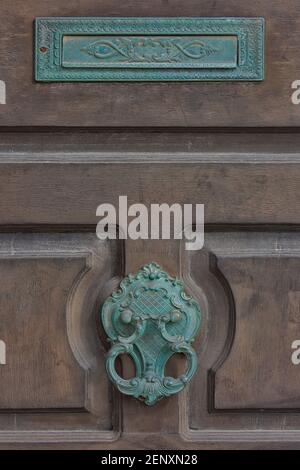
x=53, y=377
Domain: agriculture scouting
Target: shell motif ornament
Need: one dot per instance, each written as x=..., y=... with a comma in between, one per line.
x=150, y=318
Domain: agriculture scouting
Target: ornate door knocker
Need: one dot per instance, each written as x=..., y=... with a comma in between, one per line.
x=151, y=318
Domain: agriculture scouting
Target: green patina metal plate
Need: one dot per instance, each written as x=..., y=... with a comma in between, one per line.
x=149, y=49
x=151, y=318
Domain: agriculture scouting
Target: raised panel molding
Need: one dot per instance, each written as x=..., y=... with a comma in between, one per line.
x=54, y=354
x=247, y=388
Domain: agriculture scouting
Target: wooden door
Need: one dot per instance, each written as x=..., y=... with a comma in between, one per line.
x=66, y=148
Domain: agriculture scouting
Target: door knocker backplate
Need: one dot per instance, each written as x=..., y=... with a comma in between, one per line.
x=151, y=318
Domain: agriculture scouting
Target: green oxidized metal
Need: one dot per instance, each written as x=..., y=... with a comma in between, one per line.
x=148, y=49
x=151, y=318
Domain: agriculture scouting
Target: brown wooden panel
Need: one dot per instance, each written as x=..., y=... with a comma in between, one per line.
x=41, y=371
x=242, y=190
x=248, y=288
x=250, y=187
x=152, y=104
x=54, y=379
x=258, y=372
x=152, y=144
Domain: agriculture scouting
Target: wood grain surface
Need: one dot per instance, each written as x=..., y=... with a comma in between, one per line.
x=201, y=104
